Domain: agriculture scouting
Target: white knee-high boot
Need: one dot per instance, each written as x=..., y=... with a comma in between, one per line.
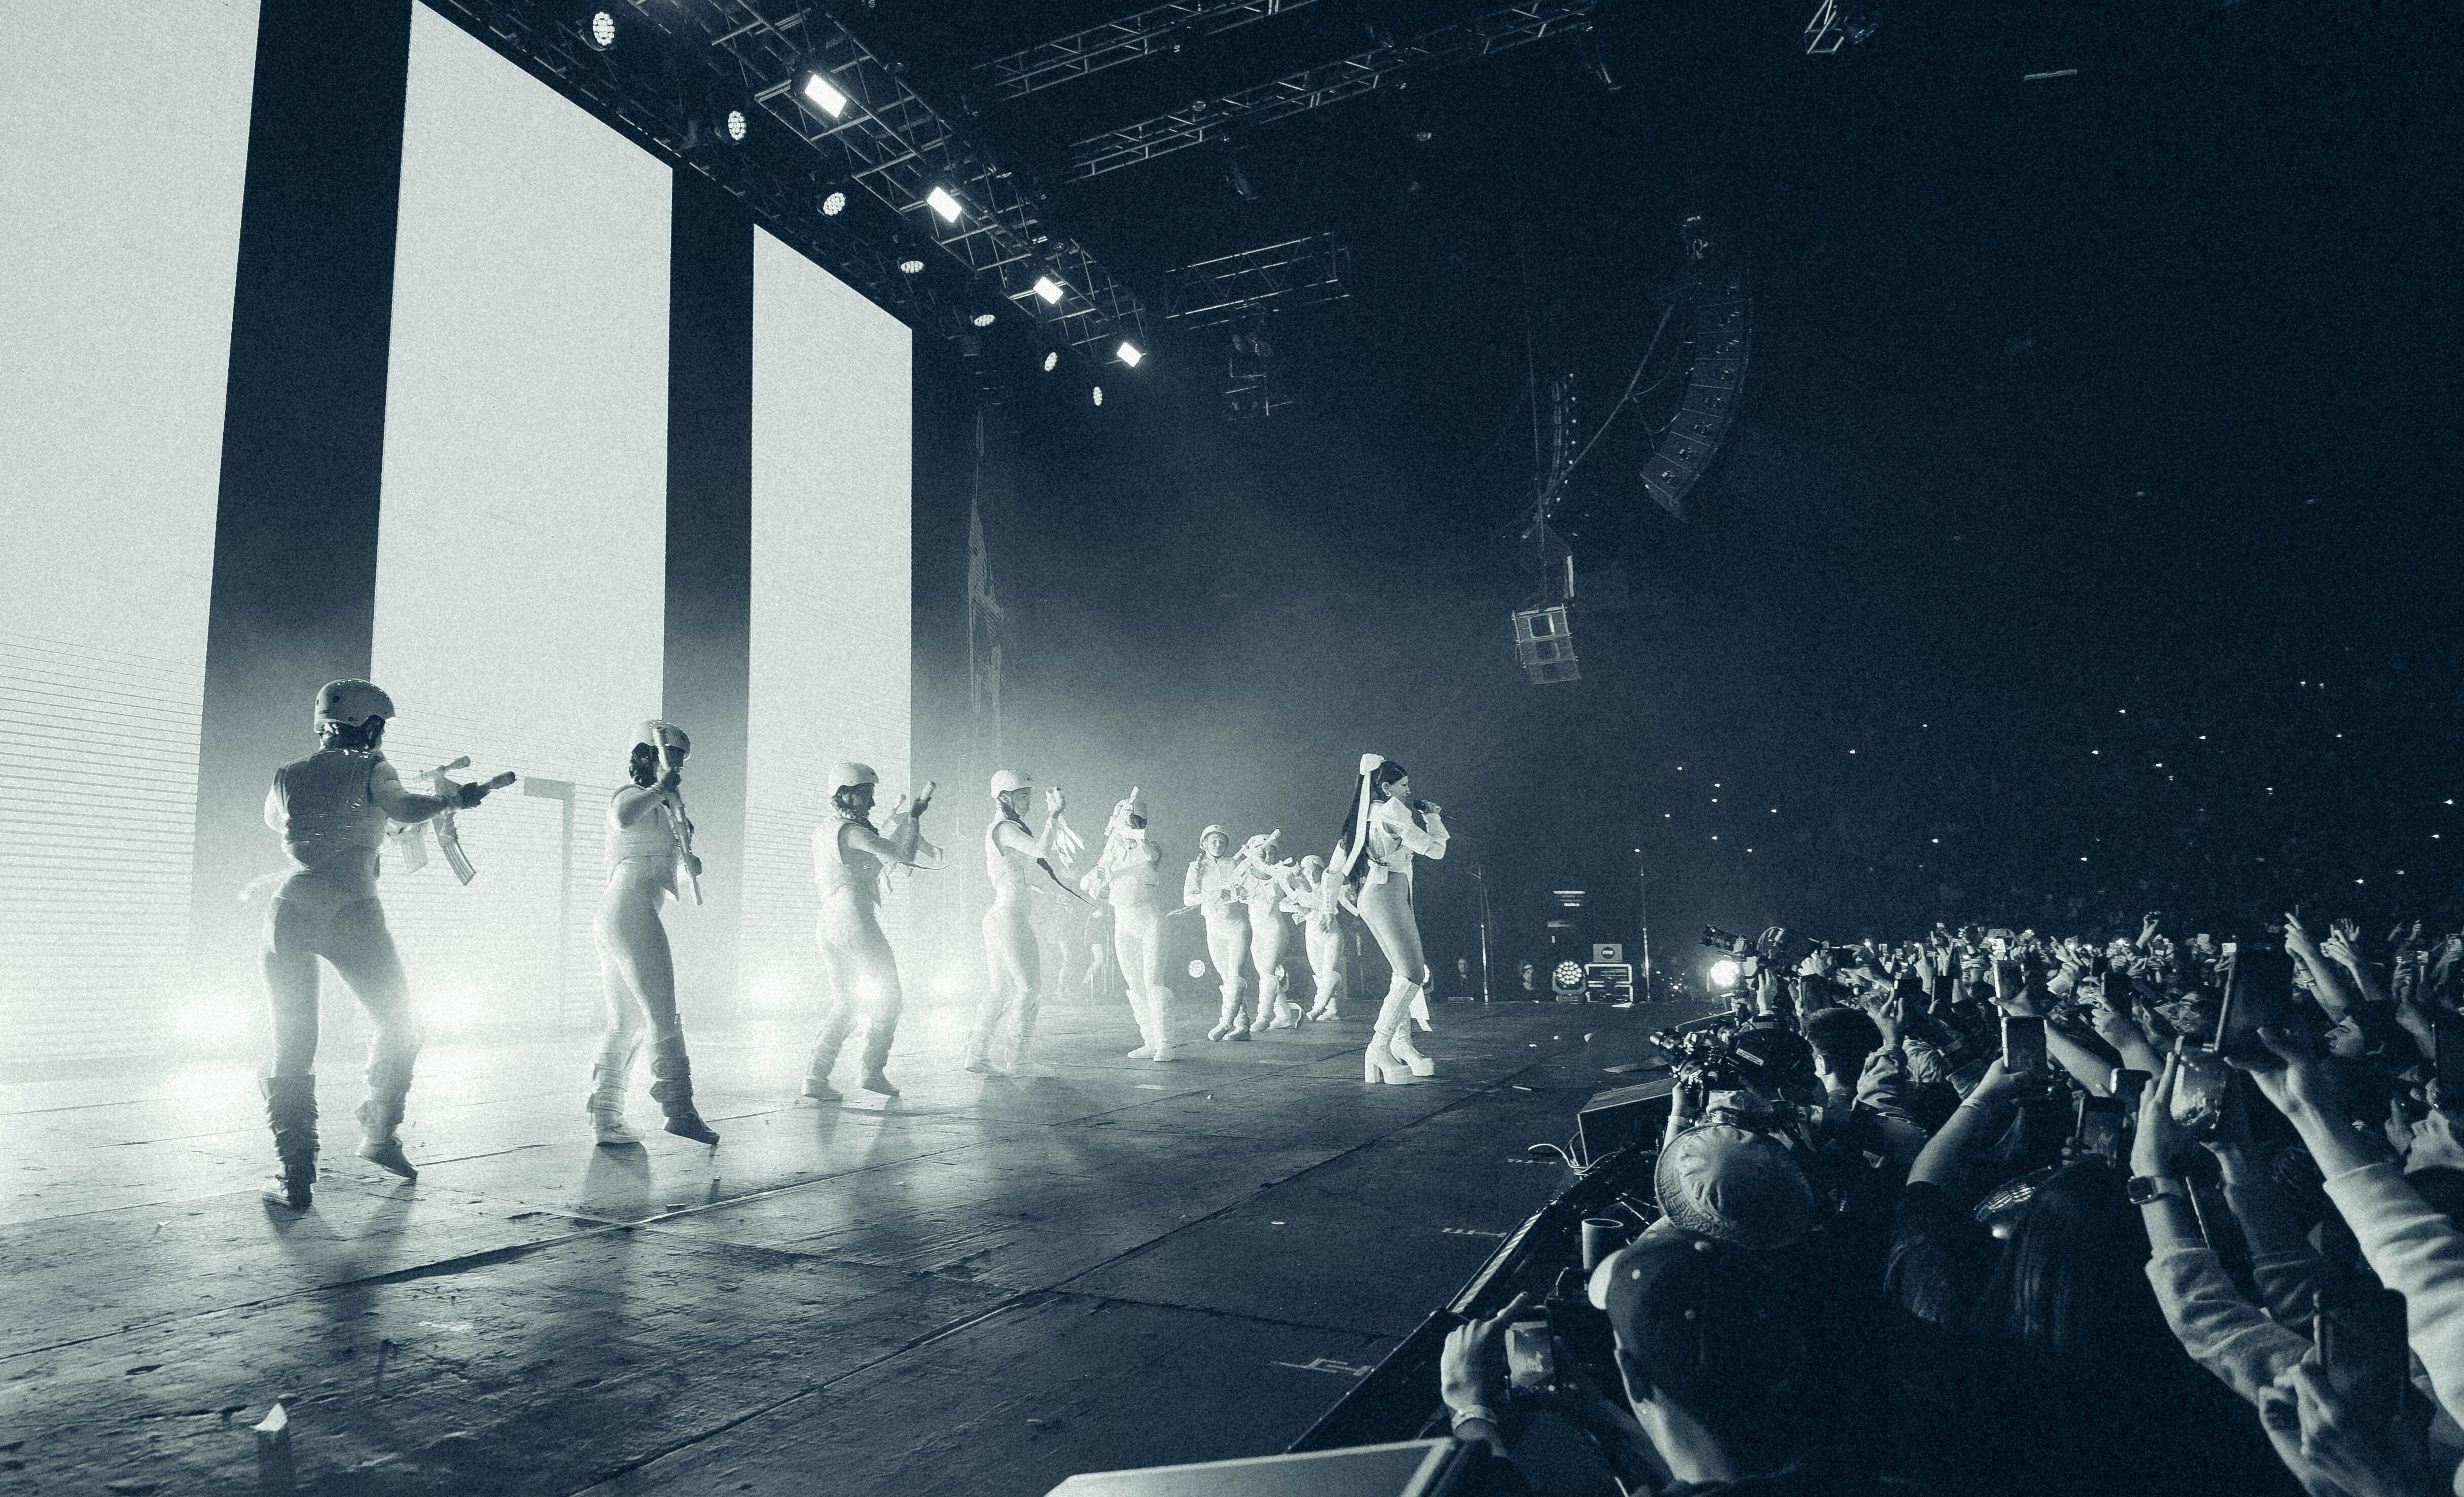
x=1381, y=1062
x=609, y=1081
x=1142, y=1009
x=1401, y=1041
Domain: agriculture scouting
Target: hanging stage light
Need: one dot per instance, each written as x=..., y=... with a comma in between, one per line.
x=824, y=96
x=942, y=203
x=735, y=125
x=1047, y=288
x=1051, y=361
x=1099, y=400
x=910, y=267
x=834, y=204
x=602, y=30
x=984, y=319
x=1129, y=353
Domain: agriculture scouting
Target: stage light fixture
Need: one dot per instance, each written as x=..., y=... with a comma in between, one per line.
x=735, y=125
x=1099, y=395
x=824, y=96
x=834, y=204
x=1051, y=361
x=942, y=203
x=1723, y=973
x=1129, y=353
x=983, y=319
x=1049, y=289
x=1196, y=968
x=910, y=267
x=1568, y=975
x=602, y=30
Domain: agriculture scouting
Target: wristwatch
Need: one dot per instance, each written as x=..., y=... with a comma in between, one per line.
x=2143, y=1189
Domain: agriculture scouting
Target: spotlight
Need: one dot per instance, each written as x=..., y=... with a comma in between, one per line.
x=1051, y=361
x=983, y=319
x=834, y=204
x=1128, y=354
x=1723, y=973
x=824, y=96
x=602, y=30
x=1049, y=289
x=736, y=125
x=942, y=203
x=1196, y=968
x=1099, y=400
x=910, y=267
x=1569, y=975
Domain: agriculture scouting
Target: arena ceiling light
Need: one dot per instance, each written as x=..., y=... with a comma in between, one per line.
x=1052, y=361
x=1099, y=400
x=983, y=319
x=602, y=30
x=1129, y=353
x=910, y=267
x=1723, y=973
x=1049, y=289
x=824, y=94
x=943, y=204
x=834, y=204
x=736, y=125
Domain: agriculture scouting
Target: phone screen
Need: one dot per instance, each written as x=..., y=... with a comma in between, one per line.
x=1530, y=1359
x=2099, y=1127
x=2360, y=1334
x=2128, y=1086
x=2023, y=1045
x=2258, y=987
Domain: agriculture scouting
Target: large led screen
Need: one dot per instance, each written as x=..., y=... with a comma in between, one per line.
x=831, y=551
x=520, y=563
x=119, y=248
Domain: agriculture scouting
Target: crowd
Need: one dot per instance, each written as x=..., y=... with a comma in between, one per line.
x=1995, y=1212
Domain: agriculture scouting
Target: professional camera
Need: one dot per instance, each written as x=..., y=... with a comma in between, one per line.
x=1721, y=1054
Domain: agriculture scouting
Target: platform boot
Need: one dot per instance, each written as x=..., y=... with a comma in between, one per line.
x=1401, y=1043
x=610, y=1079
x=1380, y=1062
x=672, y=1088
x=380, y=1120
x=290, y=1112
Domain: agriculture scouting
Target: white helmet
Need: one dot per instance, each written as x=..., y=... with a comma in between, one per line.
x=663, y=735
x=1005, y=781
x=1213, y=832
x=347, y=704
x=846, y=774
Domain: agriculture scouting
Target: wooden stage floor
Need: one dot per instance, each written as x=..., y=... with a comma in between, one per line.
x=984, y=1287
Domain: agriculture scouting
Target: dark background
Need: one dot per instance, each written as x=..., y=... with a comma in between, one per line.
x=2085, y=543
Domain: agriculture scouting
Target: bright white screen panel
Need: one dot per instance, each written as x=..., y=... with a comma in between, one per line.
x=831, y=551
x=521, y=541
x=118, y=248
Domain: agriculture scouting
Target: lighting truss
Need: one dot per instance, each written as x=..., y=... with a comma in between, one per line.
x=1298, y=273
x=556, y=46
x=899, y=148
x=1159, y=28
x=1327, y=83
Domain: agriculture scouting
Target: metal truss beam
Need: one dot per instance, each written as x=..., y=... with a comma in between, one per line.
x=899, y=148
x=1298, y=273
x=1159, y=28
x=1327, y=83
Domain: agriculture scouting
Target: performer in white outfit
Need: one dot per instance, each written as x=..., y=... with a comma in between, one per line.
x=331, y=810
x=1322, y=935
x=1264, y=888
x=647, y=839
x=1213, y=886
x=1129, y=876
x=848, y=860
x=1374, y=861
x=1019, y=861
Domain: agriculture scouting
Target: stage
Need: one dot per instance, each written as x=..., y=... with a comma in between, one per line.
x=986, y=1285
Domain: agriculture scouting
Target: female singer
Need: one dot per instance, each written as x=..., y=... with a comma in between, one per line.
x=1013, y=854
x=1372, y=861
x=330, y=810
x=646, y=843
x=1262, y=888
x=848, y=857
x=1128, y=876
x=1321, y=936
x=1213, y=886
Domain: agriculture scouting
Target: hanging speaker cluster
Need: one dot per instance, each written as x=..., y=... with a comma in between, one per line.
x=1723, y=342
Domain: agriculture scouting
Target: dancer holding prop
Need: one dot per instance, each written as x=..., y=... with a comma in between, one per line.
x=1372, y=861
x=849, y=861
x=1013, y=854
x=1127, y=874
x=649, y=844
x=1264, y=888
x=331, y=811
x=1212, y=887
